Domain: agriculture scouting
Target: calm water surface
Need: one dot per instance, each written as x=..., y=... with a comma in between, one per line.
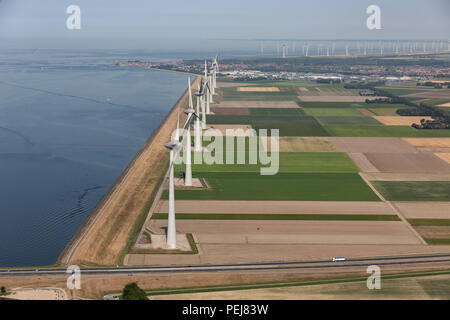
x=69, y=125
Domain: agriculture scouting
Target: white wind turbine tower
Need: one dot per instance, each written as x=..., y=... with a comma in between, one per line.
x=307, y=49
x=190, y=113
x=215, y=67
x=201, y=97
x=328, y=51
x=171, y=238
x=346, y=50
x=198, y=142
x=208, y=93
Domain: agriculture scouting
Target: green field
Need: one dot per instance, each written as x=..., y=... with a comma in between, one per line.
x=288, y=162
x=231, y=94
x=347, y=121
x=384, y=111
x=276, y=112
x=345, y=105
x=264, y=216
x=284, y=83
x=400, y=92
x=383, y=131
x=282, y=186
x=295, y=129
x=414, y=190
x=332, y=112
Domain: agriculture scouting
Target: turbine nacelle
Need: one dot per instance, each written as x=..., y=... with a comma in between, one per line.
x=173, y=145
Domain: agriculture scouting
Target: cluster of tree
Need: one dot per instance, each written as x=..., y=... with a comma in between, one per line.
x=250, y=78
x=434, y=84
x=412, y=112
x=379, y=100
x=133, y=292
x=432, y=124
x=441, y=120
x=3, y=290
x=364, y=85
x=330, y=81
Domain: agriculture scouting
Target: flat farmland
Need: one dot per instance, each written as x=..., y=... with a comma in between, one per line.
x=424, y=210
x=277, y=111
x=303, y=144
x=414, y=190
x=282, y=186
x=444, y=156
x=258, y=89
x=405, y=163
x=230, y=111
x=345, y=105
x=429, y=142
x=347, y=121
x=332, y=112
x=327, y=91
x=289, y=162
x=232, y=94
x=330, y=98
x=383, y=131
x=371, y=144
x=256, y=104
x=286, y=130
x=400, y=120
x=295, y=232
x=384, y=111
x=280, y=207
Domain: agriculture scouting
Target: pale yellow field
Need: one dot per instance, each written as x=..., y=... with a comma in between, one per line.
x=258, y=89
x=444, y=156
x=429, y=142
x=302, y=144
x=400, y=121
x=444, y=105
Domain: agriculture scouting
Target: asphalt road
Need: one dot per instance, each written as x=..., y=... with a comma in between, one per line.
x=318, y=264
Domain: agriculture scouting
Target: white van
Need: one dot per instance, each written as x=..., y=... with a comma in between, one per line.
x=337, y=259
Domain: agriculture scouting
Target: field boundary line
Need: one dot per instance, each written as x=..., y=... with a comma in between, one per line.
x=394, y=209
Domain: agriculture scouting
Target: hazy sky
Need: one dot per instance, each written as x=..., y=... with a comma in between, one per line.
x=136, y=22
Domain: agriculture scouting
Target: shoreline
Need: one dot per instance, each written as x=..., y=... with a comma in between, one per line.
x=112, y=197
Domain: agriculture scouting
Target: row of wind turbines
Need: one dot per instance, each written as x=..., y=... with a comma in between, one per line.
x=328, y=48
x=178, y=143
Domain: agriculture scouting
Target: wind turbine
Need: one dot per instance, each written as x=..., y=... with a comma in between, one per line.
x=187, y=135
x=171, y=239
x=198, y=143
x=201, y=97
